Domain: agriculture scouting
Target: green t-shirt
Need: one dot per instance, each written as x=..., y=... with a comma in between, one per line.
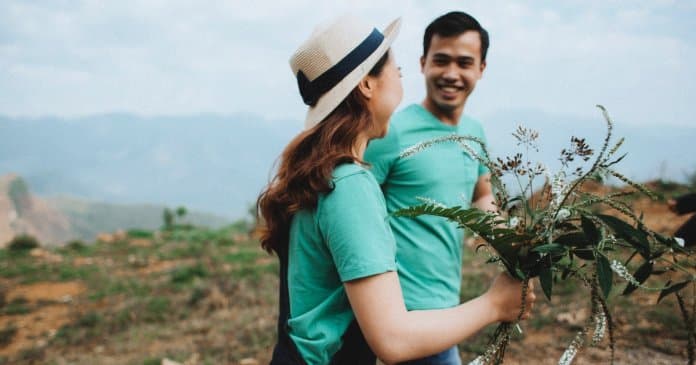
x=345, y=238
x=429, y=249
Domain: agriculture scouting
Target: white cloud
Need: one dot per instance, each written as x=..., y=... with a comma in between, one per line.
x=182, y=57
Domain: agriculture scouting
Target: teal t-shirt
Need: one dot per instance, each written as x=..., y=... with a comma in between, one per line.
x=429, y=249
x=345, y=238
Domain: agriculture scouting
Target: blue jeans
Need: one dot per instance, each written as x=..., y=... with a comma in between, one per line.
x=447, y=357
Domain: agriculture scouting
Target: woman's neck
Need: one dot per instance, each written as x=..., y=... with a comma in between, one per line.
x=360, y=146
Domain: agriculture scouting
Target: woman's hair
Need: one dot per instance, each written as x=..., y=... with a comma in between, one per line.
x=307, y=164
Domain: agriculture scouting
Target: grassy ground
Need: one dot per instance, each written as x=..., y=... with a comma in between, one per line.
x=200, y=296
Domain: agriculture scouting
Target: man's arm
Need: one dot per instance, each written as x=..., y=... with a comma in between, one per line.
x=483, y=194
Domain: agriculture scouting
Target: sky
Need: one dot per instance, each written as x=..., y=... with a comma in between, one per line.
x=154, y=57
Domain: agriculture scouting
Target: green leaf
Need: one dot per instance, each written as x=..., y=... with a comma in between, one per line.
x=584, y=253
x=546, y=280
x=636, y=238
x=553, y=249
x=591, y=232
x=672, y=289
x=566, y=273
x=519, y=274
x=642, y=274
x=617, y=160
x=604, y=275
x=573, y=239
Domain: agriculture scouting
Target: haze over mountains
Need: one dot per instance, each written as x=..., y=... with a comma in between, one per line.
x=207, y=162
x=219, y=164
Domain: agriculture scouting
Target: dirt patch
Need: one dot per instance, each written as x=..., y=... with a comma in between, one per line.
x=160, y=266
x=58, y=292
x=151, y=266
x=34, y=329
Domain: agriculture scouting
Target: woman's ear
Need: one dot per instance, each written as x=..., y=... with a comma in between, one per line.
x=367, y=87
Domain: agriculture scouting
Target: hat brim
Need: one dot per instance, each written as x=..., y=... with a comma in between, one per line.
x=332, y=98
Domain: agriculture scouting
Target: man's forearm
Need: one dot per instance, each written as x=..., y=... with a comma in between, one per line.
x=486, y=203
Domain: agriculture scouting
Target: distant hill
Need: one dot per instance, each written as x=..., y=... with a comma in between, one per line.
x=653, y=152
x=22, y=212
x=87, y=218
x=219, y=164
x=206, y=162
x=56, y=220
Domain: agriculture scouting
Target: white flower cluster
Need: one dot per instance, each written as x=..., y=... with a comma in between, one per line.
x=621, y=271
x=470, y=151
x=431, y=202
x=477, y=361
x=568, y=355
x=513, y=222
x=562, y=215
x=600, y=327
x=558, y=188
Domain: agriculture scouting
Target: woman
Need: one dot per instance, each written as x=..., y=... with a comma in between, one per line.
x=325, y=217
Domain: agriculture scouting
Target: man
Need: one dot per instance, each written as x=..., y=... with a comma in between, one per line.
x=429, y=249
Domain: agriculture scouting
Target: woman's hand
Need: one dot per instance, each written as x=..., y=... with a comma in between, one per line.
x=505, y=298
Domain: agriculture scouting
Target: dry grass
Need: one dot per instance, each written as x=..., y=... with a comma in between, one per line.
x=209, y=297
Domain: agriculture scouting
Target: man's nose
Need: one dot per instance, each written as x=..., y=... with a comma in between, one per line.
x=451, y=72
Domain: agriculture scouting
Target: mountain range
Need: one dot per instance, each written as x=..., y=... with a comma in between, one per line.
x=219, y=164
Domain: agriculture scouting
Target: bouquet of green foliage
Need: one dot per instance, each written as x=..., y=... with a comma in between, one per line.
x=559, y=232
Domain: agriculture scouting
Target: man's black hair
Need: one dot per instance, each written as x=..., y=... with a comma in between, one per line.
x=452, y=24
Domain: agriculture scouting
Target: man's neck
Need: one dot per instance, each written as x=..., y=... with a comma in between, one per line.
x=445, y=116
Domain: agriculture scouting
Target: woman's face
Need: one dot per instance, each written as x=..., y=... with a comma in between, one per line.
x=386, y=96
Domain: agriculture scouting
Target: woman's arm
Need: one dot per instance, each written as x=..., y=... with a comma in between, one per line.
x=396, y=335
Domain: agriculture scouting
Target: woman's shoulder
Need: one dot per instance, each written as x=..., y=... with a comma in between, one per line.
x=350, y=171
x=350, y=179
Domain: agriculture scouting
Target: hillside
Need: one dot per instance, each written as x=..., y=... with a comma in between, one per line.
x=22, y=212
x=209, y=296
x=55, y=220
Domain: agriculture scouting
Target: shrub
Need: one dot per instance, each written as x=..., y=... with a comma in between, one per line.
x=23, y=242
x=76, y=245
x=90, y=319
x=152, y=361
x=187, y=274
x=7, y=334
x=140, y=233
x=157, y=309
x=17, y=306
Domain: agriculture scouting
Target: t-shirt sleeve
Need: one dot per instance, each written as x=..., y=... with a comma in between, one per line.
x=352, y=221
x=381, y=154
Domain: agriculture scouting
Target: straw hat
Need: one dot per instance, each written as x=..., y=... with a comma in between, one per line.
x=331, y=63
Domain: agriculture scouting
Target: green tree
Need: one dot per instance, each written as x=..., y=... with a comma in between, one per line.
x=181, y=212
x=168, y=218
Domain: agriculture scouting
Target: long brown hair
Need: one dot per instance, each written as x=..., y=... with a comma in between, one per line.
x=307, y=163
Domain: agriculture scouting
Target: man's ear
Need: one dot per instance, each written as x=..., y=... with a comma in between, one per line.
x=367, y=87
x=422, y=63
x=483, y=68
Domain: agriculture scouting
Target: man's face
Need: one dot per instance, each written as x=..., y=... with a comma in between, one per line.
x=452, y=67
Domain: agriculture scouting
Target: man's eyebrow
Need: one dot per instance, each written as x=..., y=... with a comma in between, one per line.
x=449, y=57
